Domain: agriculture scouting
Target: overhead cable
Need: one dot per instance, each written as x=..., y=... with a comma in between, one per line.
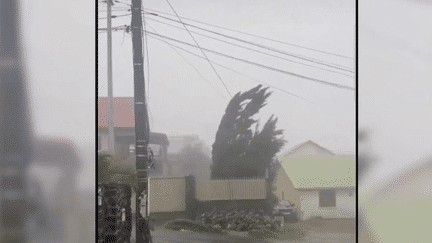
x=190, y=64
x=329, y=64
x=261, y=65
x=200, y=49
x=256, y=80
x=262, y=37
x=268, y=54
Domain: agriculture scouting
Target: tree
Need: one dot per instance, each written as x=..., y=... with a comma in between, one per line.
x=272, y=198
x=239, y=151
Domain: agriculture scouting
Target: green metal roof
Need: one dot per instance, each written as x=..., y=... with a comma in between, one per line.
x=326, y=171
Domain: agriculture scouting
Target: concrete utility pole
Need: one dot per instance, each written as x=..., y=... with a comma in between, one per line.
x=142, y=127
x=111, y=137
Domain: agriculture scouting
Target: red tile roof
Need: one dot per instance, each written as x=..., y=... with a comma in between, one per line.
x=123, y=112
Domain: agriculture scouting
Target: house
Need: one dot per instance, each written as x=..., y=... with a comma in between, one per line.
x=325, y=181
x=285, y=190
x=124, y=133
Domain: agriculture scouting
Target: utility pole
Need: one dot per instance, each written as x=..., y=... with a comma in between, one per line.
x=142, y=128
x=111, y=137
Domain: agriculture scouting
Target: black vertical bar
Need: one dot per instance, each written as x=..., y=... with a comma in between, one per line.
x=15, y=132
x=142, y=127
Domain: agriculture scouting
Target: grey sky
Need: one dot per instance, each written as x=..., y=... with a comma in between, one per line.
x=59, y=43
x=395, y=56
x=181, y=102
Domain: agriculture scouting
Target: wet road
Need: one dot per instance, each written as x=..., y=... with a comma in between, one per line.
x=167, y=236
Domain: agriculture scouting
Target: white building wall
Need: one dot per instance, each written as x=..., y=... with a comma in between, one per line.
x=345, y=205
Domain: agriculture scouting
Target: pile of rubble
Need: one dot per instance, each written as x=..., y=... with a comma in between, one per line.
x=239, y=220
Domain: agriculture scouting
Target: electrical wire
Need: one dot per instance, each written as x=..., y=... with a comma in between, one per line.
x=251, y=43
x=268, y=54
x=114, y=10
x=208, y=82
x=333, y=65
x=128, y=4
x=256, y=80
x=114, y=28
x=145, y=54
x=190, y=64
x=266, y=38
x=217, y=74
x=261, y=65
x=117, y=16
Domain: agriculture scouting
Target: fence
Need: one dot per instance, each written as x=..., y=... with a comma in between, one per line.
x=171, y=194
x=167, y=194
x=231, y=189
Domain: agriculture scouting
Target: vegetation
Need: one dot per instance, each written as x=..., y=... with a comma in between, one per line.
x=241, y=150
x=272, y=199
x=239, y=220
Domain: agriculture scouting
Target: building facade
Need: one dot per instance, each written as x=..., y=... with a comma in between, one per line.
x=324, y=180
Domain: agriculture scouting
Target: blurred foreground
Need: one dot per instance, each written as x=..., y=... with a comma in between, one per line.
x=395, y=156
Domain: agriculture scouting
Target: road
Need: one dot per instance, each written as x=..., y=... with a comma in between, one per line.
x=167, y=236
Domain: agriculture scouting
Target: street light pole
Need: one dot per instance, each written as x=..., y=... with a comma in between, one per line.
x=111, y=136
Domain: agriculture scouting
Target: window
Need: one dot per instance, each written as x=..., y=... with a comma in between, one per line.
x=283, y=195
x=327, y=198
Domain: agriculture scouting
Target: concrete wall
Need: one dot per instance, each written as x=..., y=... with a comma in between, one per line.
x=231, y=190
x=167, y=194
x=345, y=204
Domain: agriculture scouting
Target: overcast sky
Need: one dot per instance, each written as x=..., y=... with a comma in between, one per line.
x=183, y=102
x=395, y=56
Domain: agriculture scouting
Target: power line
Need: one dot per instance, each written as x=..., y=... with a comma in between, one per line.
x=147, y=54
x=205, y=79
x=333, y=65
x=256, y=80
x=117, y=16
x=266, y=38
x=253, y=49
x=261, y=65
x=128, y=4
x=200, y=49
x=329, y=64
x=196, y=70
x=144, y=39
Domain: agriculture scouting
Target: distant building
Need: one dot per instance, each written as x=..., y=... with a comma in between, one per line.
x=124, y=131
x=326, y=182
x=124, y=134
x=197, y=165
